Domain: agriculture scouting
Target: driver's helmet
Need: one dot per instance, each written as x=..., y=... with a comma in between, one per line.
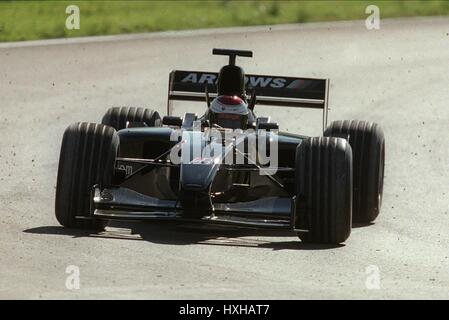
x=229, y=112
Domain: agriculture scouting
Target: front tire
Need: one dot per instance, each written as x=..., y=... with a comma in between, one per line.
x=87, y=158
x=324, y=190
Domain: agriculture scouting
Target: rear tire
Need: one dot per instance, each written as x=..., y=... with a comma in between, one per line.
x=324, y=190
x=87, y=157
x=117, y=117
x=368, y=153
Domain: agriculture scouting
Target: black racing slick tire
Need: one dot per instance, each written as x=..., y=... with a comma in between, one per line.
x=323, y=208
x=87, y=158
x=117, y=117
x=368, y=153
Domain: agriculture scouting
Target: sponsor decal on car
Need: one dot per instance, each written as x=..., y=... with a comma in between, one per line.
x=251, y=81
x=127, y=168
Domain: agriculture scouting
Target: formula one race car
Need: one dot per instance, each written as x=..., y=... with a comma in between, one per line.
x=226, y=167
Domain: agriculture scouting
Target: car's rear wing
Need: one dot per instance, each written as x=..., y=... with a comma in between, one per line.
x=270, y=90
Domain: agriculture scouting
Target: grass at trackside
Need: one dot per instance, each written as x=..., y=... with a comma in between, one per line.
x=29, y=20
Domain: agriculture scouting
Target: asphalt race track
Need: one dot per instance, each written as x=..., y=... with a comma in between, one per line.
x=396, y=76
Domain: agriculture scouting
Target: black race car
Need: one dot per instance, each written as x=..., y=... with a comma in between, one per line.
x=213, y=168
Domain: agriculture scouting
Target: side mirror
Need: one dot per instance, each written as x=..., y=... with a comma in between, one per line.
x=268, y=126
x=172, y=121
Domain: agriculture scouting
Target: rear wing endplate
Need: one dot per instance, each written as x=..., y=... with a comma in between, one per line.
x=269, y=90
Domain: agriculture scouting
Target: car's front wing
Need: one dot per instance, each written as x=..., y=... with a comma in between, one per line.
x=125, y=204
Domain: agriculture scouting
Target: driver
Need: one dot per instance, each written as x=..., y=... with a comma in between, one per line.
x=229, y=111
